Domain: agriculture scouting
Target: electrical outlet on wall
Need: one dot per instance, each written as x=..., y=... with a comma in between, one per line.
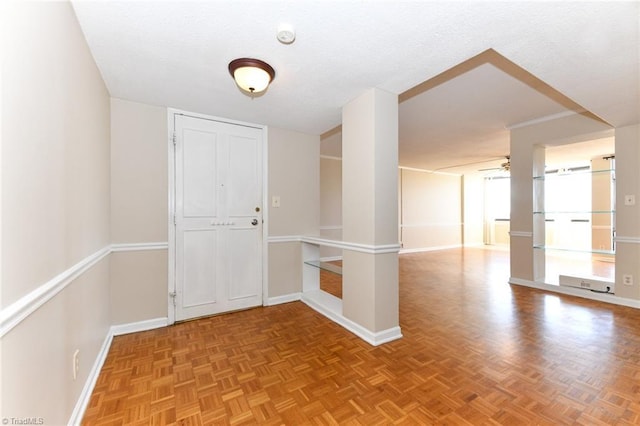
x=627, y=279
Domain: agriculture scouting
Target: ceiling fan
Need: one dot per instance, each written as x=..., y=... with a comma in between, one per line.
x=506, y=166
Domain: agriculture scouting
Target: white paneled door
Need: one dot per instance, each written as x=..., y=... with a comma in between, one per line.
x=218, y=217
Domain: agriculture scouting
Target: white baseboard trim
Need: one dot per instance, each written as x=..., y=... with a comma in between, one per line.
x=570, y=291
x=87, y=390
x=425, y=249
x=334, y=312
x=286, y=298
x=474, y=244
x=135, y=327
x=90, y=383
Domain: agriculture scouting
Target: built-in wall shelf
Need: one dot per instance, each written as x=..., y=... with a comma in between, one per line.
x=563, y=174
x=325, y=266
x=576, y=212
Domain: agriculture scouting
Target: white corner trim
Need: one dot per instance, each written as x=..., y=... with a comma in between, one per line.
x=286, y=298
x=522, y=234
x=331, y=228
x=284, y=239
x=134, y=327
x=371, y=337
x=139, y=246
x=13, y=314
x=627, y=240
x=346, y=245
x=330, y=157
x=90, y=383
x=585, y=294
x=87, y=390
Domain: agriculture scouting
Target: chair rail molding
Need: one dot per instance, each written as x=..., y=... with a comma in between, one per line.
x=16, y=312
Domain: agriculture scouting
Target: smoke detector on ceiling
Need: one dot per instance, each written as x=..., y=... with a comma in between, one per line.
x=286, y=34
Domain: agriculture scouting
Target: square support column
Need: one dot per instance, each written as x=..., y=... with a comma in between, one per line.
x=370, y=213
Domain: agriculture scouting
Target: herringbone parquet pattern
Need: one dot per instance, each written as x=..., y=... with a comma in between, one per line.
x=475, y=351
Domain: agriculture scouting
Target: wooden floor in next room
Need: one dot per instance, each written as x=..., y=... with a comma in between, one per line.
x=475, y=351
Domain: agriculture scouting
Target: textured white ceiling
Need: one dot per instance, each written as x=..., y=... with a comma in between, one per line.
x=176, y=54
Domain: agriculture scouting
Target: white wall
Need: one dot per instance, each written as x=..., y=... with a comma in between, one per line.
x=55, y=207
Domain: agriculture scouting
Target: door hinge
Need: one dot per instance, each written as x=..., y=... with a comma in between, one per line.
x=174, y=220
x=173, y=295
x=173, y=138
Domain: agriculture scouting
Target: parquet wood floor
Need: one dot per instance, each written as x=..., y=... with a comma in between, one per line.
x=475, y=351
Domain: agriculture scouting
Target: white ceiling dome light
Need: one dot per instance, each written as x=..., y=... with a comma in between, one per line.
x=251, y=75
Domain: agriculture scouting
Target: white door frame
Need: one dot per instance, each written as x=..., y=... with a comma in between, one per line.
x=171, y=277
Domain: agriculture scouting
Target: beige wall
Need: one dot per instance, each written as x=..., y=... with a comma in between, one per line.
x=294, y=176
x=330, y=203
x=423, y=225
x=369, y=209
x=139, y=208
x=369, y=176
x=428, y=202
x=55, y=206
x=137, y=276
x=431, y=209
x=139, y=171
x=294, y=173
x=628, y=217
x=330, y=192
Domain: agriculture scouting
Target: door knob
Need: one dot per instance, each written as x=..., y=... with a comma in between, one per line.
x=254, y=222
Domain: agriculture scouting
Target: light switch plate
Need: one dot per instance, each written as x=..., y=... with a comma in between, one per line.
x=275, y=201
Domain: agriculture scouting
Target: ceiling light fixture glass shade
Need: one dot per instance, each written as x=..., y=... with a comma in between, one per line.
x=252, y=75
